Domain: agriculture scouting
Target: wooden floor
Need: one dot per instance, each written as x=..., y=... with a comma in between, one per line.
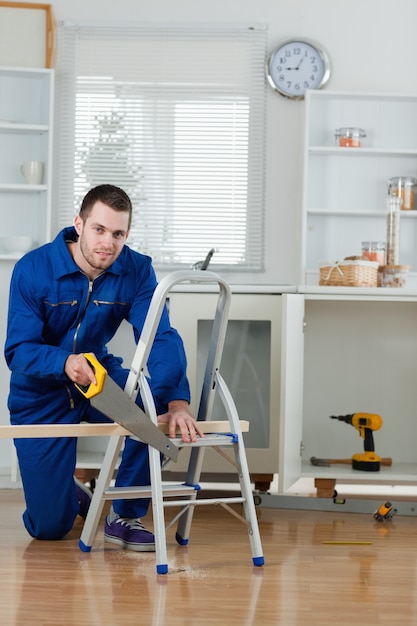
x=305, y=581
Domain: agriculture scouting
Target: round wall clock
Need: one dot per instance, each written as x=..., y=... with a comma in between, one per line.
x=297, y=65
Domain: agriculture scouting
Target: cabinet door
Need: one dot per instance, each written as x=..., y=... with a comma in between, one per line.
x=250, y=366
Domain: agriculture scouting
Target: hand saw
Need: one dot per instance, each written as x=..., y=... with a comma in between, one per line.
x=112, y=401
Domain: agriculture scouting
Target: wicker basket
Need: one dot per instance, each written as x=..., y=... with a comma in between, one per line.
x=347, y=273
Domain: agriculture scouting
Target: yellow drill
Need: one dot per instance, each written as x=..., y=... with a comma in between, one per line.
x=365, y=423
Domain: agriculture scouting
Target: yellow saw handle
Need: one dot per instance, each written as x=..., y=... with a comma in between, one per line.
x=91, y=390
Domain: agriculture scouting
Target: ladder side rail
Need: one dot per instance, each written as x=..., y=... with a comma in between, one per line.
x=97, y=502
x=216, y=345
x=153, y=317
x=156, y=482
x=207, y=396
x=244, y=476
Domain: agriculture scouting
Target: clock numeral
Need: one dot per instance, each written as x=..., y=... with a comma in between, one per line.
x=297, y=51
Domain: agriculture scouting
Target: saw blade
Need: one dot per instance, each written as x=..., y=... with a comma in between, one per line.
x=118, y=406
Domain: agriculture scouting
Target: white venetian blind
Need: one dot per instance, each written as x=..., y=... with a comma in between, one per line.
x=175, y=116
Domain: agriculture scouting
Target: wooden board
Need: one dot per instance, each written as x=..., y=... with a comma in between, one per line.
x=97, y=430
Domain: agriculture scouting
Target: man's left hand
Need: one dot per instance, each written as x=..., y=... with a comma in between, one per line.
x=179, y=417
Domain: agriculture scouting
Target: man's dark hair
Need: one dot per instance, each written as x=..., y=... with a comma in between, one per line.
x=111, y=196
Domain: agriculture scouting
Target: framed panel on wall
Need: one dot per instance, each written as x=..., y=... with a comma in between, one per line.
x=27, y=34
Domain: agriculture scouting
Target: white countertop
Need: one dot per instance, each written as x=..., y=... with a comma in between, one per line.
x=311, y=292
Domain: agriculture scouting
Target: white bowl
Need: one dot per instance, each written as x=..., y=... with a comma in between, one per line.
x=15, y=244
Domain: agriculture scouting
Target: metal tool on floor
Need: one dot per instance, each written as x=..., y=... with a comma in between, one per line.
x=365, y=423
x=385, y=512
x=328, y=462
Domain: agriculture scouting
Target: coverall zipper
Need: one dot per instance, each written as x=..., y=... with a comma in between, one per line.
x=90, y=289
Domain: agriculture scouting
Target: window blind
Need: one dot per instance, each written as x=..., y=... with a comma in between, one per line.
x=176, y=117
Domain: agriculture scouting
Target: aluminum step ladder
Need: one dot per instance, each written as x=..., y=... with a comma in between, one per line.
x=185, y=494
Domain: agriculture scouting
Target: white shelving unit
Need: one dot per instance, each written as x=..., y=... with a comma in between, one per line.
x=26, y=123
x=345, y=189
x=347, y=350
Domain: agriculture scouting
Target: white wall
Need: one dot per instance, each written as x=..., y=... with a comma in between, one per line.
x=372, y=45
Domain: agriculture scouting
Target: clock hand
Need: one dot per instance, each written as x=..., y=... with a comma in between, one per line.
x=298, y=66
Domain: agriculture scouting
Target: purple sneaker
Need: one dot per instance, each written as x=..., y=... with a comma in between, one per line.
x=130, y=534
x=84, y=496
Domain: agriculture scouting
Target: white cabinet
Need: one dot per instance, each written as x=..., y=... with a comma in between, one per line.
x=345, y=189
x=26, y=119
x=344, y=354
x=250, y=366
x=348, y=350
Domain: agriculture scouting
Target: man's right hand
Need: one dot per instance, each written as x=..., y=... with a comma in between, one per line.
x=79, y=371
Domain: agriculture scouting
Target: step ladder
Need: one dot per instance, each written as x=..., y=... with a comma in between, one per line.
x=181, y=495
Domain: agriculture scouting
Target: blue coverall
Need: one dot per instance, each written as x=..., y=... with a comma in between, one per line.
x=55, y=311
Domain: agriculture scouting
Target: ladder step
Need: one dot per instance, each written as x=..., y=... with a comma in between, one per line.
x=213, y=439
x=168, y=491
x=199, y=501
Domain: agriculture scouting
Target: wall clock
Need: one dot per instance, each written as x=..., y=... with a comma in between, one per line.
x=297, y=65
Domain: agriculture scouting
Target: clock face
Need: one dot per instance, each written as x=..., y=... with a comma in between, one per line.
x=295, y=66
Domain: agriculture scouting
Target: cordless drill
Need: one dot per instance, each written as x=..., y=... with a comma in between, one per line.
x=365, y=423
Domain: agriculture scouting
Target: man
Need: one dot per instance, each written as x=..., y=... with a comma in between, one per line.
x=67, y=298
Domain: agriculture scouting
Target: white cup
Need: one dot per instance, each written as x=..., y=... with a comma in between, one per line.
x=32, y=172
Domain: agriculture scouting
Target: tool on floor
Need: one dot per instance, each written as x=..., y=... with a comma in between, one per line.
x=327, y=462
x=385, y=512
x=112, y=401
x=365, y=423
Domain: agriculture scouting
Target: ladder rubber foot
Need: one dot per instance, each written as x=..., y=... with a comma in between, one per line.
x=180, y=540
x=258, y=561
x=83, y=547
x=162, y=569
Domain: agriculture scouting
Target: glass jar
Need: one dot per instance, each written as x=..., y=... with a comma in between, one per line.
x=349, y=137
x=393, y=230
x=395, y=275
x=403, y=187
x=374, y=251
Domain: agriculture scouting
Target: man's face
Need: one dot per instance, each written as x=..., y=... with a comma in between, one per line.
x=100, y=238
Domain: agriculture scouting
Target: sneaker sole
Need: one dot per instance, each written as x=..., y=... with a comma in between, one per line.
x=134, y=547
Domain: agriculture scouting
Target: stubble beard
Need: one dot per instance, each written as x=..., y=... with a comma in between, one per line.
x=90, y=258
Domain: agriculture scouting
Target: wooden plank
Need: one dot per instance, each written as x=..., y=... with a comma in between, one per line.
x=97, y=430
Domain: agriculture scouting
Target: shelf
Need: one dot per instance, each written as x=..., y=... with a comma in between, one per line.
x=382, y=294
x=357, y=152
x=11, y=257
x=11, y=127
x=397, y=473
x=22, y=187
